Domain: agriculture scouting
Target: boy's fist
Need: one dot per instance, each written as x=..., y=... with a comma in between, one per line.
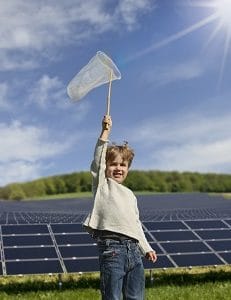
x=107, y=122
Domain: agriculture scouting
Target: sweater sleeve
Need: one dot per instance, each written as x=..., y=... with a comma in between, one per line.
x=98, y=164
x=143, y=243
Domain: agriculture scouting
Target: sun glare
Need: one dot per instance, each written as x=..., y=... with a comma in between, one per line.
x=219, y=17
x=223, y=8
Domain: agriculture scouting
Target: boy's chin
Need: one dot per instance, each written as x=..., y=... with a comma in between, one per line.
x=118, y=179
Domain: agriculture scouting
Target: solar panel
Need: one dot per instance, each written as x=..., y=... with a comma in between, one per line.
x=215, y=234
x=164, y=225
x=33, y=267
x=67, y=228
x=61, y=248
x=174, y=235
x=162, y=262
x=27, y=240
x=82, y=265
x=30, y=253
x=24, y=229
x=221, y=245
x=78, y=251
x=50, y=242
x=226, y=257
x=185, y=247
x=206, y=224
x=228, y=222
x=76, y=239
x=188, y=260
x=157, y=248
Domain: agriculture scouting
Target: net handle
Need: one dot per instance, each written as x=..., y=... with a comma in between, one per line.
x=109, y=98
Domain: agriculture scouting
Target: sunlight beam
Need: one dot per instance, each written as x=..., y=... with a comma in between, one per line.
x=173, y=38
x=223, y=8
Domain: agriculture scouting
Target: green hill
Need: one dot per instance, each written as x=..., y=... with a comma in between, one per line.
x=137, y=180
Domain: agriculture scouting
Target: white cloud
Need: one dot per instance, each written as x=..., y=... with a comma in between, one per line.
x=189, y=142
x=129, y=10
x=23, y=149
x=34, y=27
x=18, y=171
x=50, y=94
x=47, y=89
x=160, y=76
x=13, y=61
x=198, y=156
x=4, y=104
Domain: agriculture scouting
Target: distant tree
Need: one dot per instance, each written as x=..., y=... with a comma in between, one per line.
x=34, y=188
x=137, y=180
x=60, y=186
x=50, y=187
x=85, y=181
x=72, y=182
x=16, y=192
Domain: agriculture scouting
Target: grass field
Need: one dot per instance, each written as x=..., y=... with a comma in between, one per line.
x=177, y=284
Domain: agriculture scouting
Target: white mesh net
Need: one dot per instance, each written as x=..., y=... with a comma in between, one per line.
x=100, y=70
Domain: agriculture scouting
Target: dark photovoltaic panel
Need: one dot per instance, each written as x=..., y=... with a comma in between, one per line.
x=27, y=240
x=157, y=248
x=162, y=262
x=186, y=260
x=228, y=222
x=185, y=247
x=67, y=228
x=67, y=247
x=82, y=265
x=30, y=253
x=33, y=267
x=206, y=224
x=69, y=239
x=215, y=234
x=174, y=225
x=174, y=235
x=78, y=251
x=225, y=245
x=226, y=257
x=24, y=229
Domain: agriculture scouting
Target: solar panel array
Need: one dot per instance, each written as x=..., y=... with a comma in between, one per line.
x=186, y=230
x=66, y=248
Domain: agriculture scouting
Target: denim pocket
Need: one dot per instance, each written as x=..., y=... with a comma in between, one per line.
x=109, y=253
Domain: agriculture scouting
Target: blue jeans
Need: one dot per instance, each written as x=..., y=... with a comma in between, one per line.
x=121, y=270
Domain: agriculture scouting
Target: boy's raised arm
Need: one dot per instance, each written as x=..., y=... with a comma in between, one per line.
x=98, y=164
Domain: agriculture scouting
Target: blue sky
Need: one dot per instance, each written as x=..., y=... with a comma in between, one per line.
x=172, y=103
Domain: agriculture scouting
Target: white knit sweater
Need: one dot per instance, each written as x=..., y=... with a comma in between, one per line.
x=115, y=206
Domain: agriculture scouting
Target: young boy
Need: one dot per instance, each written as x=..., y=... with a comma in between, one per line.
x=114, y=222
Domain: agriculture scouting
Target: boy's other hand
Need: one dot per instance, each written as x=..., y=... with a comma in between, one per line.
x=151, y=256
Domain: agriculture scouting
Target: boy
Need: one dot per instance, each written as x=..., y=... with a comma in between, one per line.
x=114, y=222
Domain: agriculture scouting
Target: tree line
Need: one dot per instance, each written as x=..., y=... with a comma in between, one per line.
x=156, y=181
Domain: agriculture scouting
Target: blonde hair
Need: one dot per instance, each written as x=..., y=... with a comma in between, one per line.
x=124, y=150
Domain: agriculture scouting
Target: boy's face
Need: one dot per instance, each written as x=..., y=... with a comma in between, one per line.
x=117, y=169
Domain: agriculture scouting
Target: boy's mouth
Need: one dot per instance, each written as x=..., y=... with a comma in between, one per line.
x=117, y=174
